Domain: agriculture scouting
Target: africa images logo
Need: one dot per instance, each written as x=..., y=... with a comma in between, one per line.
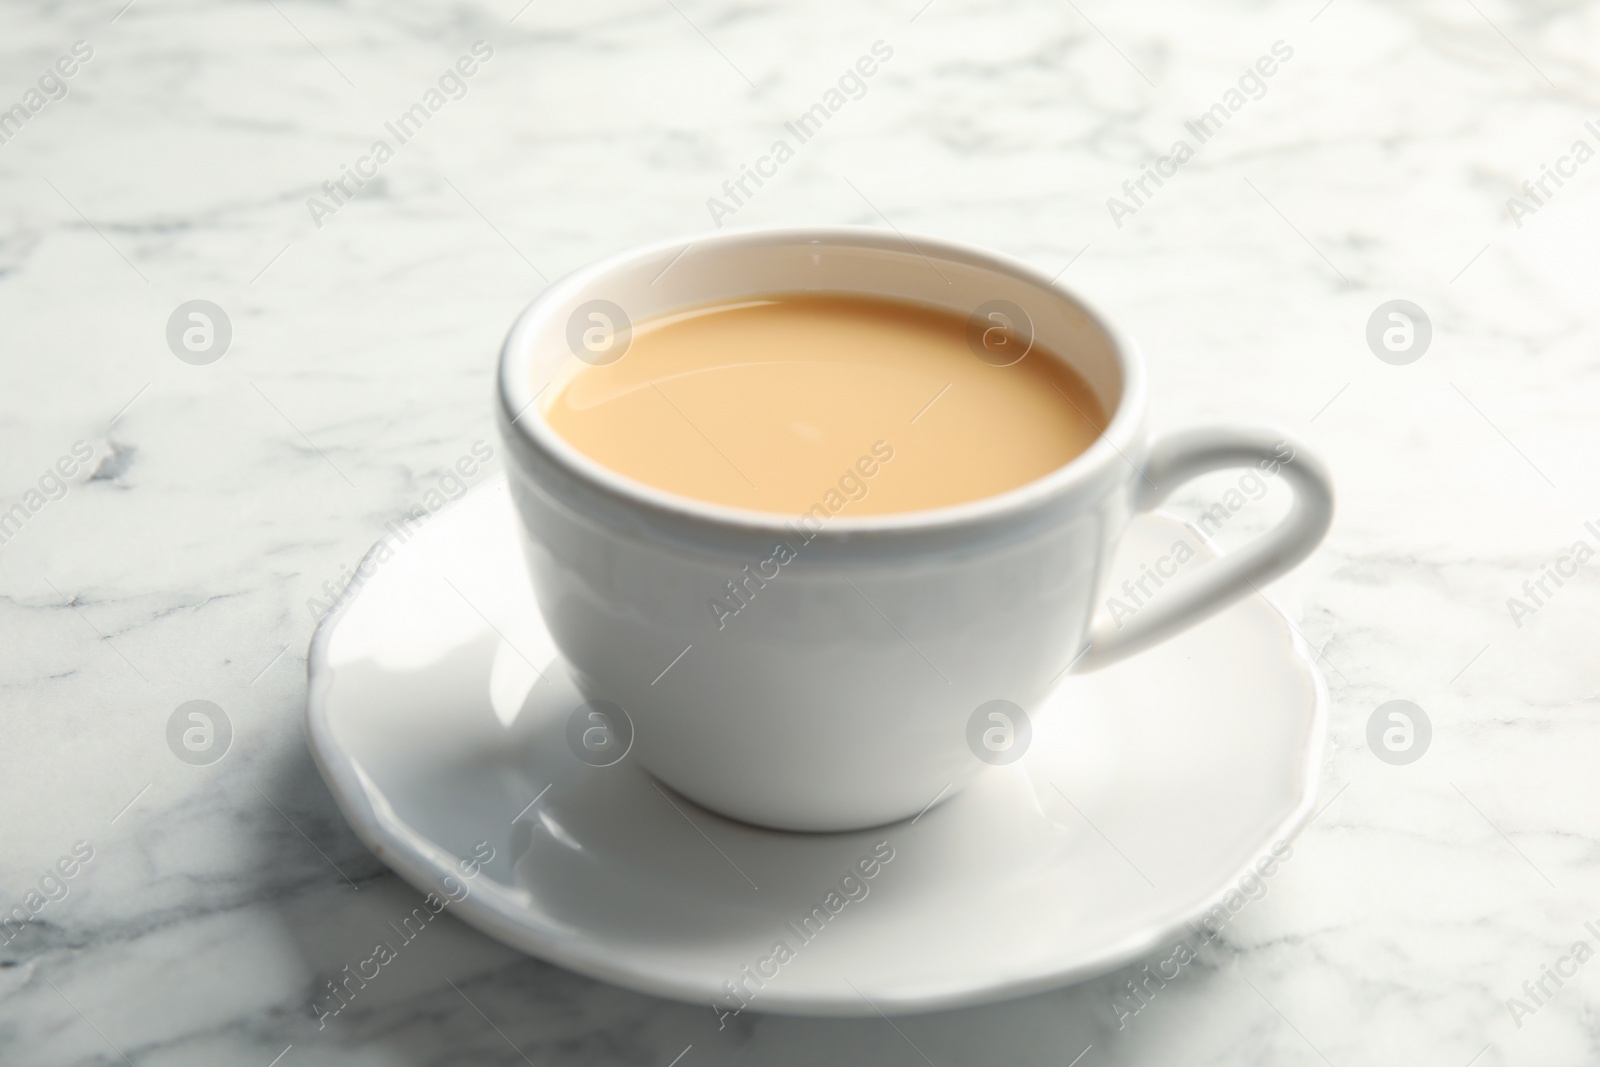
x=851, y=889
x=851, y=85
x=853, y=485
x=1253, y=82
x=452, y=85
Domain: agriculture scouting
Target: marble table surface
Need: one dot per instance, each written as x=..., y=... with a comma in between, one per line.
x=176, y=517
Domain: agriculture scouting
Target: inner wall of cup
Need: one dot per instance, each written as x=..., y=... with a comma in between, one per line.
x=728, y=270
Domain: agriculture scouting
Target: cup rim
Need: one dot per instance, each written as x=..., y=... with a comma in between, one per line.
x=520, y=415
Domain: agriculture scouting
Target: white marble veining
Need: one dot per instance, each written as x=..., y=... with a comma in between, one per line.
x=178, y=563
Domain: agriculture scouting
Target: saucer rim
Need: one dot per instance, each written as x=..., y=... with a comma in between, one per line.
x=407, y=852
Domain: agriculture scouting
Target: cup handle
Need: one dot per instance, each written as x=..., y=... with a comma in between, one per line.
x=1178, y=458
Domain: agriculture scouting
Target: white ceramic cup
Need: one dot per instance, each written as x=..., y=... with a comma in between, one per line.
x=840, y=695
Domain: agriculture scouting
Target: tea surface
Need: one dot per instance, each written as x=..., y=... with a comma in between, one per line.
x=789, y=401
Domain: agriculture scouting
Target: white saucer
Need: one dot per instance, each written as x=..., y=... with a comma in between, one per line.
x=1148, y=790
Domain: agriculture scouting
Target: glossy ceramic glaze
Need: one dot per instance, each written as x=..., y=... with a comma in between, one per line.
x=838, y=695
x=439, y=713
